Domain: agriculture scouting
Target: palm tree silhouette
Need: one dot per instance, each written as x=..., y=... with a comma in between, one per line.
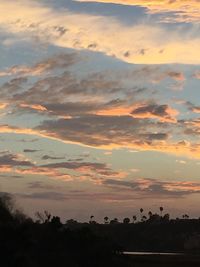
x=141, y=211
x=91, y=218
x=185, y=216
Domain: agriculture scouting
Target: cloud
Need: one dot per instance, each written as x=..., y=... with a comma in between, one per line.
x=33, y=107
x=28, y=140
x=81, y=170
x=8, y=159
x=3, y=105
x=197, y=75
x=11, y=176
x=53, y=90
x=163, y=112
x=181, y=161
x=101, y=110
x=82, y=195
x=89, y=168
x=108, y=130
x=155, y=188
x=191, y=127
x=47, y=157
x=40, y=185
x=66, y=94
x=139, y=43
x=174, y=10
x=192, y=107
x=56, y=196
x=30, y=150
x=45, y=66
x=121, y=191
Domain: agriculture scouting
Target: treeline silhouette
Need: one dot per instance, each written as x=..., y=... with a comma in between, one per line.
x=46, y=241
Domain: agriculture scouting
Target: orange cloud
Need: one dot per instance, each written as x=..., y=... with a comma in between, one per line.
x=196, y=109
x=166, y=115
x=183, y=186
x=35, y=107
x=119, y=111
x=3, y=105
x=53, y=173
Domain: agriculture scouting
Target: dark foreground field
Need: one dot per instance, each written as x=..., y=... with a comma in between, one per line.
x=164, y=261
x=47, y=242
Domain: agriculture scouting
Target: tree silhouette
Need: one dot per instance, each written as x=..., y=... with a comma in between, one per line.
x=43, y=217
x=106, y=220
x=141, y=211
x=144, y=218
x=8, y=212
x=134, y=218
x=161, y=211
x=185, y=216
x=55, y=222
x=114, y=221
x=92, y=221
x=166, y=217
x=126, y=220
x=71, y=222
x=6, y=208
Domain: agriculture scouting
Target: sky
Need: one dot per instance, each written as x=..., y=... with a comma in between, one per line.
x=99, y=106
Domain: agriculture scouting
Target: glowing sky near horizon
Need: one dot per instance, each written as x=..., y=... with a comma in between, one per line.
x=99, y=106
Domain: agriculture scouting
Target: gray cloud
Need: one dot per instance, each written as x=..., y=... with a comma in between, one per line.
x=98, y=168
x=11, y=176
x=8, y=159
x=97, y=130
x=47, y=157
x=159, y=110
x=30, y=150
x=62, y=61
x=56, y=196
x=81, y=196
x=28, y=140
x=155, y=188
x=41, y=185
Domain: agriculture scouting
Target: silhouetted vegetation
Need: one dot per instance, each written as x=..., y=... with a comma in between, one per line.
x=46, y=241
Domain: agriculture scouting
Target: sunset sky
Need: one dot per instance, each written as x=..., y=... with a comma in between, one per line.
x=100, y=106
